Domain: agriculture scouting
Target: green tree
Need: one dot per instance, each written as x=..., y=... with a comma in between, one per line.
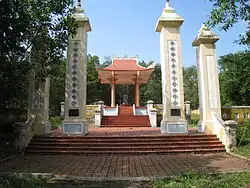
x=57, y=87
x=191, y=86
x=226, y=13
x=29, y=25
x=94, y=90
x=235, y=78
x=153, y=89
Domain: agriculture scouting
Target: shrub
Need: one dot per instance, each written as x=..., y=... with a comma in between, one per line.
x=55, y=122
x=243, y=133
x=195, y=119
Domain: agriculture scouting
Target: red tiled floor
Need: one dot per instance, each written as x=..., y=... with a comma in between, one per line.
x=124, y=166
x=116, y=131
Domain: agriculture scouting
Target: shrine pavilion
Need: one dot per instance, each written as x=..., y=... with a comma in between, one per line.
x=125, y=71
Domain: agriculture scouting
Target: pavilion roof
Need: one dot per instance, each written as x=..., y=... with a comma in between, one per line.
x=125, y=71
x=125, y=64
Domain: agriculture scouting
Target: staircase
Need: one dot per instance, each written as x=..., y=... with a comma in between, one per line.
x=141, y=144
x=125, y=118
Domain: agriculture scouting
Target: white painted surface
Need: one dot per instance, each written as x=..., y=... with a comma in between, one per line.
x=211, y=77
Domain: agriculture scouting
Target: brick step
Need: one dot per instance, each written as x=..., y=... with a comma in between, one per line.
x=191, y=151
x=125, y=120
x=120, y=148
x=125, y=117
x=127, y=124
x=124, y=140
x=123, y=126
x=130, y=137
x=108, y=144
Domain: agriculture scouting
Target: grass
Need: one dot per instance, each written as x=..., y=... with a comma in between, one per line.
x=189, y=180
x=243, y=150
x=194, y=180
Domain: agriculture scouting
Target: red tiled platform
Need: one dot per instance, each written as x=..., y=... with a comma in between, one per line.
x=117, y=131
x=115, y=166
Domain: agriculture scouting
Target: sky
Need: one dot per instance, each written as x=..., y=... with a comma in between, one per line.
x=127, y=27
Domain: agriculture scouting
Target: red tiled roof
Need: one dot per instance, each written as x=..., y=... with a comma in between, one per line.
x=124, y=65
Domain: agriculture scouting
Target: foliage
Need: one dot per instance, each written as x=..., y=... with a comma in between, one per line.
x=33, y=35
x=243, y=150
x=55, y=122
x=18, y=182
x=191, y=86
x=195, y=180
x=235, y=79
x=243, y=133
x=226, y=14
x=195, y=119
x=57, y=87
x=153, y=89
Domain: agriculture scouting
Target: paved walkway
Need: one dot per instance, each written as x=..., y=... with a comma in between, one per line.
x=124, y=166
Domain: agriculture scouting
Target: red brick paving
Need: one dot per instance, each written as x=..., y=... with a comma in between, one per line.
x=116, y=166
x=121, y=131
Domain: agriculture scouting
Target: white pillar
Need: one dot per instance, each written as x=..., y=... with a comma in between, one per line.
x=76, y=78
x=169, y=25
x=137, y=94
x=44, y=126
x=113, y=99
x=207, y=67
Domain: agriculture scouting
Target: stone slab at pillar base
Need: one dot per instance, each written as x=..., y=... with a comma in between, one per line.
x=206, y=126
x=174, y=127
x=42, y=128
x=75, y=127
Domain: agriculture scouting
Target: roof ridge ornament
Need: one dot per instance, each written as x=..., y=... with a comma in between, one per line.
x=168, y=7
x=79, y=3
x=168, y=3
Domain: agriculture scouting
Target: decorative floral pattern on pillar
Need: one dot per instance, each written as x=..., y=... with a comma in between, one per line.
x=174, y=74
x=74, y=75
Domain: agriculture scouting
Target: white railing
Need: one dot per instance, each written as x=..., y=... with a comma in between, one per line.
x=219, y=127
x=134, y=110
x=111, y=111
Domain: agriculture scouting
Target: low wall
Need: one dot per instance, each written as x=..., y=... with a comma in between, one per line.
x=90, y=113
x=237, y=113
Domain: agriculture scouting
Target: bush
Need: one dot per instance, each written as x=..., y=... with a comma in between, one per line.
x=55, y=122
x=18, y=182
x=195, y=119
x=243, y=133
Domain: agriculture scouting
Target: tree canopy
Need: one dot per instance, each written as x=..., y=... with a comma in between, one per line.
x=235, y=78
x=226, y=13
x=33, y=34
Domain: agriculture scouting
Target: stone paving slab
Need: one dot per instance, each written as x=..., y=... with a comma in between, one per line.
x=122, y=167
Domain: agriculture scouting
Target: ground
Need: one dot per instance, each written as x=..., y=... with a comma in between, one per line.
x=124, y=167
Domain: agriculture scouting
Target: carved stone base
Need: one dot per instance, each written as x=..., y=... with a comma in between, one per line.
x=75, y=127
x=171, y=127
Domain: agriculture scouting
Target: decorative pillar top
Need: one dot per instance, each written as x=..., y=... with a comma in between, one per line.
x=168, y=18
x=80, y=17
x=79, y=3
x=205, y=36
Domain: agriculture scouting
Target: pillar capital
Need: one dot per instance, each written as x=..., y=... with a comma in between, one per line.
x=81, y=18
x=168, y=18
x=205, y=36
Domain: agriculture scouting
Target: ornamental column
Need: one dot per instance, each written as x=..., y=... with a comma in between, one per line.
x=169, y=25
x=76, y=78
x=137, y=94
x=113, y=99
x=207, y=68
